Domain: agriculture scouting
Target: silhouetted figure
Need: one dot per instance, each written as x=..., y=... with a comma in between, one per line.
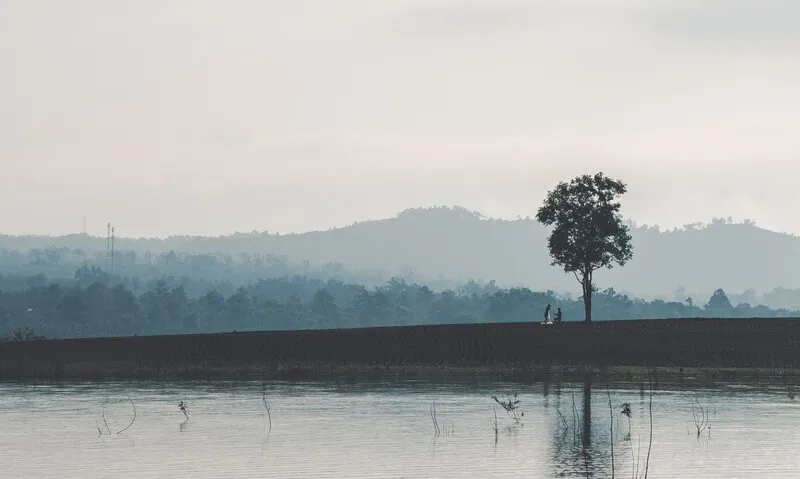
x=558, y=316
x=547, y=314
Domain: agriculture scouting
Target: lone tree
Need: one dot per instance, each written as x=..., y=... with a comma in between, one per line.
x=589, y=233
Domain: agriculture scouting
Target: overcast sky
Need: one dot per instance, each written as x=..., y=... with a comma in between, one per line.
x=208, y=117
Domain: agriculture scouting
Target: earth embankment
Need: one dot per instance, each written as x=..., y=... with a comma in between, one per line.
x=673, y=343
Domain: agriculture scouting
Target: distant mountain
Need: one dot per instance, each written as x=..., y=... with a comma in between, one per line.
x=457, y=244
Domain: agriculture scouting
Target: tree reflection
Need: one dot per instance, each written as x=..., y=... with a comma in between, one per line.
x=582, y=444
x=579, y=450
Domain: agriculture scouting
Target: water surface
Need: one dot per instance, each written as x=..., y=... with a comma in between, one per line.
x=385, y=430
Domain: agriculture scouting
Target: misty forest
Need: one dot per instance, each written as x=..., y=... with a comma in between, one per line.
x=75, y=285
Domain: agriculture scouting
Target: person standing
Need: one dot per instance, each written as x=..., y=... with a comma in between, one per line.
x=547, y=314
x=558, y=316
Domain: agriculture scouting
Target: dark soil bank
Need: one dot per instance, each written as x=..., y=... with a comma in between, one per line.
x=474, y=348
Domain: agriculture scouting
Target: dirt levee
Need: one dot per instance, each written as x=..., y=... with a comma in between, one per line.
x=723, y=343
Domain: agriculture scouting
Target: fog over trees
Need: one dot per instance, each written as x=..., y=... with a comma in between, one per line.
x=443, y=247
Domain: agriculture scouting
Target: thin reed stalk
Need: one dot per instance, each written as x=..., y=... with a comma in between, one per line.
x=611, y=411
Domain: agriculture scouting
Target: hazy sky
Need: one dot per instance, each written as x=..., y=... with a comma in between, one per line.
x=207, y=117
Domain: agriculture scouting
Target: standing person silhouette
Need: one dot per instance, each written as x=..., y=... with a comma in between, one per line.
x=547, y=314
x=558, y=316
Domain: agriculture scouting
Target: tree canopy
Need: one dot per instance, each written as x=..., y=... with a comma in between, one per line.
x=589, y=232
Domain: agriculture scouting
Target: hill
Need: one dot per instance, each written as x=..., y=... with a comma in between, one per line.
x=458, y=244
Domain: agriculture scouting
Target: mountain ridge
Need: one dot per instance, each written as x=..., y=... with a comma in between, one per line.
x=459, y=244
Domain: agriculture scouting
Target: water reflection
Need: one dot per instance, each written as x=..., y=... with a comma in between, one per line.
x=586, y=445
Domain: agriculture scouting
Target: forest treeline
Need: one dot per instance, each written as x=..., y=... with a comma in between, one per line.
x=442, y=247
x=201, y=272
x=91, y=304
x=224, y=271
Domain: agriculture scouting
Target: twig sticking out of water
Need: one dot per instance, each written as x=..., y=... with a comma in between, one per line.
x=99, y=432
x=133, y=418
x=701, y=422
x=266, y=404
x=183, y=407
x=432, y=408
x=511, y=407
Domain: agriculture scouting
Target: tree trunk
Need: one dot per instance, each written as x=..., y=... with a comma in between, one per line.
x=587, y=297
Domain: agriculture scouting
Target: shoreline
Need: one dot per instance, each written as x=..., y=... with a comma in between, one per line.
x=387, y=372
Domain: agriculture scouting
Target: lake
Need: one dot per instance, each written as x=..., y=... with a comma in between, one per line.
x=385, y=430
